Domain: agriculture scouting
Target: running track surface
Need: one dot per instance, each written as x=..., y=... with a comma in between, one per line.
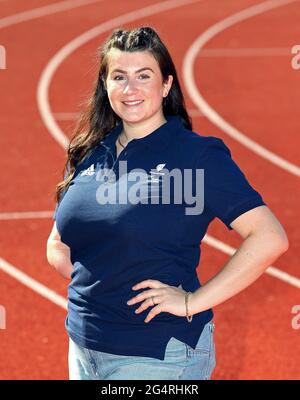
x=243, y=73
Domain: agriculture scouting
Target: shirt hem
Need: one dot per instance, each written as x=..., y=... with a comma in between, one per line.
x=136, y=350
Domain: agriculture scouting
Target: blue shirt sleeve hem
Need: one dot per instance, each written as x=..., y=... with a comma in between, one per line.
x=241, y=209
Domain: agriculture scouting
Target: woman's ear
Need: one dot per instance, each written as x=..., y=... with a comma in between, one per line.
x=167, y=85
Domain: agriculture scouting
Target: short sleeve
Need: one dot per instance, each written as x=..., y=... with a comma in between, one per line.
x=61, y=195
x=227, y=192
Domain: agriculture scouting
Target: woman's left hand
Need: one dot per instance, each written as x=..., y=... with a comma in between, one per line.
x=166, y=298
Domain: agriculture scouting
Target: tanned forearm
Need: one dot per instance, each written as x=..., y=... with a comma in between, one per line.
x=253, y=257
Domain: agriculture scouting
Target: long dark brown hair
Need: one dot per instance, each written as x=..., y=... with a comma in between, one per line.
x=98, y=118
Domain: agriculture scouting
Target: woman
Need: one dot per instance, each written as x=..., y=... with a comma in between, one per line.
x=136, y=309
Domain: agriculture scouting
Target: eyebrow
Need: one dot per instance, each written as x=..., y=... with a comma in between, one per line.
x=139, y=70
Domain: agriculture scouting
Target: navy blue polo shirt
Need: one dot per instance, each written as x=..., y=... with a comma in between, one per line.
x=115, y=244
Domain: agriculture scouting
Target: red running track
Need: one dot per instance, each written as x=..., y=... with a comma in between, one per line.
x=256, y=93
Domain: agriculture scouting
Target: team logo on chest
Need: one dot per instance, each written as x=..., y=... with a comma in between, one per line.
x=89, y=171
x=156, y=173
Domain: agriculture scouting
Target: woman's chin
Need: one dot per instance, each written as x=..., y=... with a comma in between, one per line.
x=133, y=119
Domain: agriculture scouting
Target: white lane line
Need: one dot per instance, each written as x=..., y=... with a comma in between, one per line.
x=21, y=17
x=43, y=11
x=273, y=271
x=9, y=268
x=69, y=48
x=33, y=284
x=4, y=265
x=246, y=52
x=58, y=59
x=202, y=104
x=25, y=215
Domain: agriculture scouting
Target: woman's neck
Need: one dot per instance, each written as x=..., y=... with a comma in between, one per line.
x=137, y=131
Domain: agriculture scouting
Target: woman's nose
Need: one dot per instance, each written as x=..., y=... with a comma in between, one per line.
x=130, y=86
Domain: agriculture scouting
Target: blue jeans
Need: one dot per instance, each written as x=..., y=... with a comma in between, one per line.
x=181, y=362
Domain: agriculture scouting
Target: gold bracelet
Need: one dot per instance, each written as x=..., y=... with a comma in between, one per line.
x=189, y=318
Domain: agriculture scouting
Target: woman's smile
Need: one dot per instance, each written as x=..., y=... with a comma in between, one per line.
x=133, y=103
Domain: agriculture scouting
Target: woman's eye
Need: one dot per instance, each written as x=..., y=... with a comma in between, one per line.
x=145, y=76
x=121, y=77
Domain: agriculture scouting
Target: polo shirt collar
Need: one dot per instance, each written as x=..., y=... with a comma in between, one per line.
x=156, y=140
